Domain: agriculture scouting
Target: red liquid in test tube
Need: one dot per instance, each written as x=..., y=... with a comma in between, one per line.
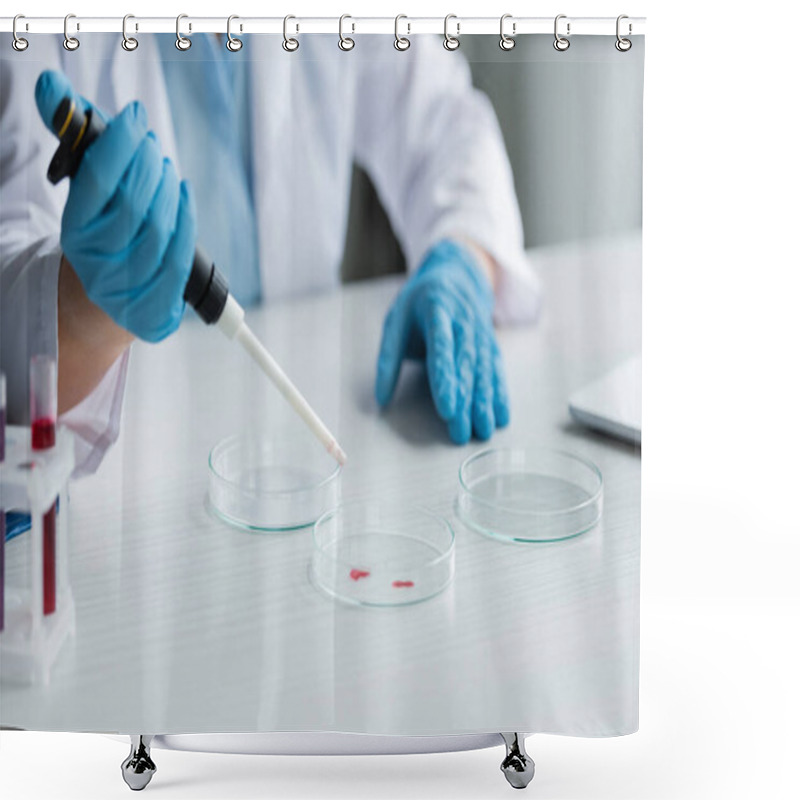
x=44, y=407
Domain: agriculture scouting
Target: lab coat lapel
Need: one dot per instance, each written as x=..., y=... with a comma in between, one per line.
x=146, y=84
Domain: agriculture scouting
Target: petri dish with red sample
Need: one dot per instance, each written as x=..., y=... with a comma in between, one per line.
x=380, y=553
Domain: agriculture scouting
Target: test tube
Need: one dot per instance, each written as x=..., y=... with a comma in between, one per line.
x=2, y=510
x=44, y=409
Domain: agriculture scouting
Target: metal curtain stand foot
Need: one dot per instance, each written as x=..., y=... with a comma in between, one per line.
x=517, y=766
x=138, y=768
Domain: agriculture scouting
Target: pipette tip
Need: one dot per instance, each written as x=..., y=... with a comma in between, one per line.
x=337, y=453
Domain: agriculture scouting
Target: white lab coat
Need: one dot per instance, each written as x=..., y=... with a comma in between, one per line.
x=428, y=139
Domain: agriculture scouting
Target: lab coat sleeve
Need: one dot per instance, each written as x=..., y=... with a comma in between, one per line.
x=30, y=258
x=432, y=145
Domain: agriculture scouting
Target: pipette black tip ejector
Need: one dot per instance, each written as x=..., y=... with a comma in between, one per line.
x=206, y=290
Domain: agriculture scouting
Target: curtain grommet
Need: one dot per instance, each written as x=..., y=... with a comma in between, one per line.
x=451, y=42
x=507, y=42
x=622, y=44
x=346, y=43
x=561, y=43
x=129, y=43
x=233, y=44
x=401, y=43
x=289, y=44
x=19, y=43
x=71, y=43
x=182, y=42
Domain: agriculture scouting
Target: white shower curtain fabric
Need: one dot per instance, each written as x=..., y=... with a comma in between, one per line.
x=317, y=172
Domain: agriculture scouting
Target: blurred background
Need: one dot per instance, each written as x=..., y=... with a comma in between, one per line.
x=572, y=124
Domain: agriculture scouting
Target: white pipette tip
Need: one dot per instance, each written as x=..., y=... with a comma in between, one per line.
x=231, y=323
x=337, y=453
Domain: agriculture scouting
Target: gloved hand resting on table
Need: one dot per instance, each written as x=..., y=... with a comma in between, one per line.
x=444, y=314
x=128, y=227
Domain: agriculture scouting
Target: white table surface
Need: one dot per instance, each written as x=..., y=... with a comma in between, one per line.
x=187, y=625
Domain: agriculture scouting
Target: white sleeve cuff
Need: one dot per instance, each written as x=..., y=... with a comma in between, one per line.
x=518, y=291
x=95, y=421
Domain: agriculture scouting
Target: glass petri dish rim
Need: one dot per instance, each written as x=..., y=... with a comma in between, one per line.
x=248, y=527
x=328, y=515
x=310, y=488
x=509, y=538
x=527, y=513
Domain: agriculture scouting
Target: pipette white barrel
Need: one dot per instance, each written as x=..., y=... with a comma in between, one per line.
x=232, y=324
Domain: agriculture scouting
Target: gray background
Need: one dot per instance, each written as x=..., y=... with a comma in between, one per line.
x=572, y=124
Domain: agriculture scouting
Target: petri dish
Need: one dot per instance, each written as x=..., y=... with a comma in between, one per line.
x=376, y=553
x=267, y=485
x=529, y=494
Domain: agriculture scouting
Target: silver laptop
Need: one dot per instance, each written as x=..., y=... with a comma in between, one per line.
x=613, y=404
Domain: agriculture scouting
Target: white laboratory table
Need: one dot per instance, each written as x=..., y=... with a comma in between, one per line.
x=185, y=624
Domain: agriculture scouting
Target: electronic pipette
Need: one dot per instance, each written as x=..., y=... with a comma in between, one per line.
x=206, y=290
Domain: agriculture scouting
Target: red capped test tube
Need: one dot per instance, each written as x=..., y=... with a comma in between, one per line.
x=44, y=409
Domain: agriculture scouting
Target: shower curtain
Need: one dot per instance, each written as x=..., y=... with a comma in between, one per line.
x=323, y=177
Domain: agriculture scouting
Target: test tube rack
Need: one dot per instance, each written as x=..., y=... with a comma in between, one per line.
x=32, y=481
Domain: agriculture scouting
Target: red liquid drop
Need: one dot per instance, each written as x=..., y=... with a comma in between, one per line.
x=356, y=574
x=402, y=584
x=43, y=434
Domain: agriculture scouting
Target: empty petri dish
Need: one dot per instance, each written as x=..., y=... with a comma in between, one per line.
x=376, y=553
x=529, y=494
x=268, y=485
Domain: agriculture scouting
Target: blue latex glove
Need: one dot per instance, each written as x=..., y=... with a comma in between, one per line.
x=444, y=314
x=128, y=227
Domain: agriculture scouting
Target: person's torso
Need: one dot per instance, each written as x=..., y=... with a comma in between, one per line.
x=284, y=133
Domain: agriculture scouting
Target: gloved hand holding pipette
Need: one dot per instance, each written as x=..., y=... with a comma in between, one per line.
x=128, y=227
x=129, y=231
x=444, y=314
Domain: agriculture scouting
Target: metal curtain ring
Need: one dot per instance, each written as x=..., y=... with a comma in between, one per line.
x=507, y=42
x=18, y=43
x=128, y=42
x=289, y=44
x=401, y=42
x=345, y=42
x=233, y=44
x=70, y=42
x=623, y=45
x=451, y=42
x=181, y=42
x=561, y=44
